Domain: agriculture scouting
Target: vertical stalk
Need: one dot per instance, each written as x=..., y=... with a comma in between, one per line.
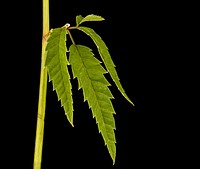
x=42, y=91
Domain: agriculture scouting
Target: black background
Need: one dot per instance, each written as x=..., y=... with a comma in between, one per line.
x=143, y=40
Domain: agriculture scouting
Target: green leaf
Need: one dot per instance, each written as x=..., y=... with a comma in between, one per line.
x=90, y=75
x=91, y=17
x=56, y=63
x=105, y=55
x=79, y=18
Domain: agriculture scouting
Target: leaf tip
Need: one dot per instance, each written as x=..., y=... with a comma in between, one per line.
x=131, y=102
x=113, y=160
x=70, y=121
x=127, y=98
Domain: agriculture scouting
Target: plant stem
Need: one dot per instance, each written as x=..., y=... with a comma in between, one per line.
x=42, y=91
x=71, y=37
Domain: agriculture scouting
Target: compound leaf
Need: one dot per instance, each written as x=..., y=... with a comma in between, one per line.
x=90, y=75
x=105, y=55
x=56, y=63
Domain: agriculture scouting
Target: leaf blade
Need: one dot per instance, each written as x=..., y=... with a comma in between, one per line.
x=56, y=63
x=90, y=75
x=105, y=55
x=79, y=18
x=91, y=17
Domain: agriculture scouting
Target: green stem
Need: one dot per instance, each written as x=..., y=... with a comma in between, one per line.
x=70, y=35
x=42, y=91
